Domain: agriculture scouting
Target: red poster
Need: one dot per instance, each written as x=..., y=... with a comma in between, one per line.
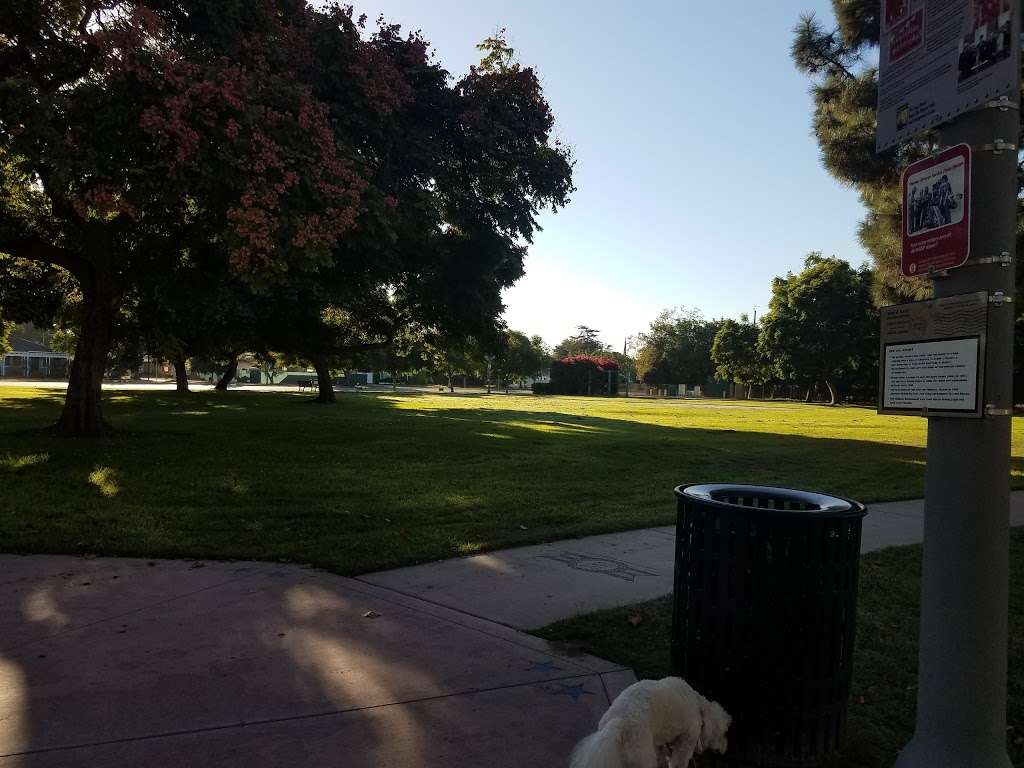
x=895, y=10
x=937, y=212
x=907, y=37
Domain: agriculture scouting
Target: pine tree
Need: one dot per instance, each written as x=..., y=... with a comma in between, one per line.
x=845, y=91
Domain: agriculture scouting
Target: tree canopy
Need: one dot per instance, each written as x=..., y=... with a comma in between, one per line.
x=736, y=354
x=676, y=349
x=586, y=341
x=277, y=147
x=520, y=357
x=821, y=324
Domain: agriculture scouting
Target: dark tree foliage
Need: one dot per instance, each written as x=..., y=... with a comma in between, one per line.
x=586, y=341
x=736, y=354
x=133, y=131
x=271, y=144
x=677, y=349
x=519, y=357
x=821, y=325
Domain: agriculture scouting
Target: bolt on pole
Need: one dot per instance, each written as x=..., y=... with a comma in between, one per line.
x=962, y=657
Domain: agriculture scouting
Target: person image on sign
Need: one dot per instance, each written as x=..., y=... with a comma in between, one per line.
x=946, y=202
x=989, y=41
x=932, y=206
x=895, y=10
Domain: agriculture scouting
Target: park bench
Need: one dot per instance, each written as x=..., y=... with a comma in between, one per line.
x=305, y=384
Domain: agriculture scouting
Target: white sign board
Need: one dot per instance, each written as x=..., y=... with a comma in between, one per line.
x=932, y=357
x=941, y=58
x=932, y=376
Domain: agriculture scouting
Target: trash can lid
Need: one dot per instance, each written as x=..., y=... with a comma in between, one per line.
x=771, y=498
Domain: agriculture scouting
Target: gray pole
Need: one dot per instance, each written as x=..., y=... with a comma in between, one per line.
x=961, y=696
x=625, y=344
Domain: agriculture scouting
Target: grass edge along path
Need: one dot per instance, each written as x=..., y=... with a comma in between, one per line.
x=381, y=480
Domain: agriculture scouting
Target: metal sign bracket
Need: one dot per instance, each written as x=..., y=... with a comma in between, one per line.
x=1003, y=260
x=1003, y=103
x=999, y=298
x=997, y=146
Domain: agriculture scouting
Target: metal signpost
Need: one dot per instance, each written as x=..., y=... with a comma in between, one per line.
x=955, y=64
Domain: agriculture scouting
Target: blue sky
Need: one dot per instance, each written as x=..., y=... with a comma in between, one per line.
x=699, y=179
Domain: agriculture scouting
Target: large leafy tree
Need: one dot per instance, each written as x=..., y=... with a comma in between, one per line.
x=457, y=355
x=736, y=355
x=315, y=162
x=676, y=349
x=520, y=357
x=140, y=131
x=462, y=171
x=586, y=341
x=456, y=173
x=821, y=324
x=326, y=331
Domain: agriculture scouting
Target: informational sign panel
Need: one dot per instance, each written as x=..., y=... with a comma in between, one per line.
x=933, y=357
x=940, y=58
x=937, y=212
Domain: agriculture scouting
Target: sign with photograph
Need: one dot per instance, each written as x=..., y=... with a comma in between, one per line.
x=941, y=58
x=937, y=212
x=933, y=357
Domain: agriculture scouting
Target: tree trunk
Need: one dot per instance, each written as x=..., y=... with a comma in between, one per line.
x=810, y=390
x=323, y=381
x=831, y=392
x=229, y=373
x=180, y=374
x=750, y=391
x=83, y=414
x=451, y=387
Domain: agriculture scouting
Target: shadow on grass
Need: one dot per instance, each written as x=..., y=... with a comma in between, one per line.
x=379, y=481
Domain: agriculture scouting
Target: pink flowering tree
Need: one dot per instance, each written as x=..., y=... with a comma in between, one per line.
x=130, y=135
x=337, y=176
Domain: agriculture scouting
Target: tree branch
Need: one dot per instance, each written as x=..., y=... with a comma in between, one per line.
x=34, y=248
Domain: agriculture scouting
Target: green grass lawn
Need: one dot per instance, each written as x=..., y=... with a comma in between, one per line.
x=885, y=661
x=379, y=480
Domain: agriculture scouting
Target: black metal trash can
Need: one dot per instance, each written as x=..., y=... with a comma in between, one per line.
x=764, y=615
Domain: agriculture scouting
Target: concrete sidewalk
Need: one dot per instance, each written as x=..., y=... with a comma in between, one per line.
x=174, y=663
x=530, y=587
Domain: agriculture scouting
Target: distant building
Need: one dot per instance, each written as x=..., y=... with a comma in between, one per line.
x=33, y=360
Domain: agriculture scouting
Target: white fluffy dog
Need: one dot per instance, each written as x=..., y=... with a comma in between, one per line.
x=654, y=723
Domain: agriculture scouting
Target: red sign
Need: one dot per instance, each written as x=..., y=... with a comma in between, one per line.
x=907, y=37
x=937, y=212
x=895, y=10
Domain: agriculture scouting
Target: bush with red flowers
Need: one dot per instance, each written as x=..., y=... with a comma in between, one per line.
x=585, y=375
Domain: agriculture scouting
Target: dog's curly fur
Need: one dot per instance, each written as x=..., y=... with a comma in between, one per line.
x=654, y=723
